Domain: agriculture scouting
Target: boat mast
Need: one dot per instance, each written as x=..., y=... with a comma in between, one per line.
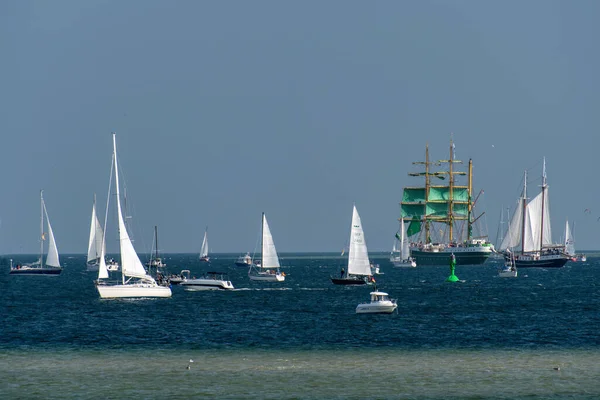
x=544, y=186
x=41, y=226
x=156, y=242
x=451, y=193
x=524, y=216
x=262, y=238
x=118, y=200
x=470, y=201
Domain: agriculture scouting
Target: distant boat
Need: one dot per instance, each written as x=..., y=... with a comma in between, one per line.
x=52, y=264
x=268, y=269
x=204, y=249
x=244, y=261
x=570, y=245
x=135, y=281
x=155, y=260
x=95, y=243
x=358, y=271
x=176, y=279
x=380, y=304
x=509, y=269
x=441, y=217
x=210, y=281
x=529, y=236
x=400, y=257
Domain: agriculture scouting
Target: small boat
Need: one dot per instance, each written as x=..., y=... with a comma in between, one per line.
x=401, y=257
x=155, y=261
x=111, y=264
x=244, y=261
x=96, y=241
x=135, y=281
x=358, y=271
x=204, y=249
x=52, y=265
x=380, y=304
x=268, y=268
x=375, y=270
x=509, y=270
x=210, y=281
x=176, y=279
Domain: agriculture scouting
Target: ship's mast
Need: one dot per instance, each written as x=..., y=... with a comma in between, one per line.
x=524, y=213
x=470, y=204
x=451, y=193
x=544, y=187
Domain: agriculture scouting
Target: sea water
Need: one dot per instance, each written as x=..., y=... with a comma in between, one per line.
x=534, y=336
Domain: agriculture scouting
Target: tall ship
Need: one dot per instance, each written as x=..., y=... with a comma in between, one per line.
x=440, y=218
x=529, y=236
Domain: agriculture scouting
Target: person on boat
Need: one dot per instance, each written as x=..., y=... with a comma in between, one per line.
x=342, y=273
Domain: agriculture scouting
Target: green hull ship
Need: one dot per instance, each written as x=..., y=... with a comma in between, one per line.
x=445, y=211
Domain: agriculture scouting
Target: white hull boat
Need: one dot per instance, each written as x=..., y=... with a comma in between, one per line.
x=380, y=304
x=267, y=270
x=212, y=281
x=133, y=290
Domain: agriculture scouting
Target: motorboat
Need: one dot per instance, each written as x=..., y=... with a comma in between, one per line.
x=380, y=304
x=183, y=276
x=210, y=281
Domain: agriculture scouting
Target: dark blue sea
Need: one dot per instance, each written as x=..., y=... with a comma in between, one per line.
x=535, y=336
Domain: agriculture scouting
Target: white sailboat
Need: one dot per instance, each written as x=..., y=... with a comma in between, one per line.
x=268, y=270
x=401, y=257
x=52, y=265
x=204, y=249
x=95, y=243
x=359, y=268
x=569, y=242
x=135, y=282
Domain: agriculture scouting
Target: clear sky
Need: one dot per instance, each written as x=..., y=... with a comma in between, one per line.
x=225, y=109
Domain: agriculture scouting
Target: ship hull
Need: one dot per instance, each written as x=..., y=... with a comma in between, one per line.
x=468, y=256
x=555, y=262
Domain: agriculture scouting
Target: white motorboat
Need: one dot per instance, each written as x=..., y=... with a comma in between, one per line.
x=380, y=304
x=211, y=281
x=509, y=270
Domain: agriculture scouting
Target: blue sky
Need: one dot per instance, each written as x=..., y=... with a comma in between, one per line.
x=226, y=109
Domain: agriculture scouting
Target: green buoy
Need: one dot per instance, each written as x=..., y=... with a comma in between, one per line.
x=452, y=277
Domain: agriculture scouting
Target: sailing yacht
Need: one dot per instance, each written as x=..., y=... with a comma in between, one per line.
x=135, y=281
x=204, y=249
x=52, y=265
x=401, y=257
x=570, y=245
x=268, y=269
x=529, y=236
x=155, y=260
x=95, y=243
x=358, y=271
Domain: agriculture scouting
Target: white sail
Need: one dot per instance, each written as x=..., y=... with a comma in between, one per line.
x=102, y=270
x=538, y=219
x=130, y=262
x=96, y=237
x=512, y=238
x=52, y=256
x=269, y=253
x=569, y=242
x=204, y=248
x=358, y=256
x=404, y=247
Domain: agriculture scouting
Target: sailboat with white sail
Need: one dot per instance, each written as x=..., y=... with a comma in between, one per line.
x=204, y=249
x=52, y=264
x=135, y=281
x=269, y=269
x=529, y=236
x=570, y=244
x=95, y=243
x=358, y=271
x=401, y=257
